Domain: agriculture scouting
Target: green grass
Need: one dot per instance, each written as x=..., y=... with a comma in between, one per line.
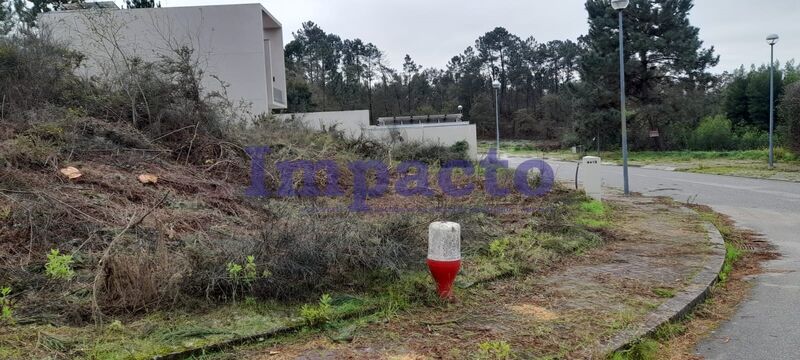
x=645, y=349
x=732, y=255
x=166, y=332
x=669, y=331
x=685, y=156
x=743, y=163
x=494, y=350
x=593, y=214
x=521, y=147
x=664, y=293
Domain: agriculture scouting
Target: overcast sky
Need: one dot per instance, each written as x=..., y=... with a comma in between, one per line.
x=433, y=31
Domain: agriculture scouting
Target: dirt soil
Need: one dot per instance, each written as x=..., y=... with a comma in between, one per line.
x=566, y=312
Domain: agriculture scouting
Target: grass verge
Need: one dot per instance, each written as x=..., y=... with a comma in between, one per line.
x=743, y=163
x=745, y=252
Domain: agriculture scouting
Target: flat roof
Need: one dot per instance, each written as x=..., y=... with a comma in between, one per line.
x=266, y=12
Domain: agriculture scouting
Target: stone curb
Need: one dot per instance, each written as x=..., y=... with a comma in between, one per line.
x=683, y=303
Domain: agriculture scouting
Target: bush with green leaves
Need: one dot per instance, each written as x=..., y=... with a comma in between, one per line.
x=713, y=133
x=246, y=273
x=58, y=266
x=752, y=139
x=497, y=248
x=315, y=315
x=6, y=314
x=249, y=270
x=234, y=271
x=494, y=350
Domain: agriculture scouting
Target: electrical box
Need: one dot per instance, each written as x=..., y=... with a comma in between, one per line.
x=590, y=178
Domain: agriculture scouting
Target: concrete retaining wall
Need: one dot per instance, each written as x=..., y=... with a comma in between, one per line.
x=351, y=122
x=356, y=123
x=443, y=134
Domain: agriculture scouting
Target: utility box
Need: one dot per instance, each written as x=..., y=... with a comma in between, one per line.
x=590, y=177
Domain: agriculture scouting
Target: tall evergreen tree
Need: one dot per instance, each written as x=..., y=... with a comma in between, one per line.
x=758, y=95
x=662, y=50
x=736, y=104
x=6, y=16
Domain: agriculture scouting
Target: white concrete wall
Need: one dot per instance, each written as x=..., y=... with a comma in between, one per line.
x=351, y=122
x=445, y=134
x=356, y=123
x=228, y=42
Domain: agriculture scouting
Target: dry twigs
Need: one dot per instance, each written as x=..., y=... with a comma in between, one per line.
x=101, y=273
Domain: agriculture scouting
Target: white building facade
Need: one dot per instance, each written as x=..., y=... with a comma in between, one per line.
x=239, y=48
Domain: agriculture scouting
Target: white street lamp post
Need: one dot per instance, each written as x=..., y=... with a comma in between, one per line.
x=772, y=40
x=620, y=5
x=496, y=86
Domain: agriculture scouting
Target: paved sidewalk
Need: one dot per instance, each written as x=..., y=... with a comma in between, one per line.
x=570, y=311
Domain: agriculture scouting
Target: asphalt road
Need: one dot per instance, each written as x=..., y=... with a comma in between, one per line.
x=767, y=325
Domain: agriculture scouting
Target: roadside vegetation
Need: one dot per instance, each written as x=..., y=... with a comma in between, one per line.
x=745, y=252
x=125, y=231
x=566, y=310
x=746, y=163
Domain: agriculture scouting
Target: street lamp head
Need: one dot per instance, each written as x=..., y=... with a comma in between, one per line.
x=620, y=4
x=496, y=85
x=460, y=108
x=772, y=39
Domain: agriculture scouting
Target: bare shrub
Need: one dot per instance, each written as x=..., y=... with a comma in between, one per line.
x=309, y=254
x=142, y=280
x=35, y=71
x=152, y=119
x=431, y=154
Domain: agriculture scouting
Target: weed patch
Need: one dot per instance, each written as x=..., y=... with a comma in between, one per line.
x=6, y=313
x=664, y=293
x=59, y=266
x=732, y=255
x=315, y=315
x=494, y=350
x=645, y=349
x=593, y=214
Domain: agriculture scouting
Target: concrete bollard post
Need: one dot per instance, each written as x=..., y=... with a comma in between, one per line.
x=590, y=177
x=444, y=255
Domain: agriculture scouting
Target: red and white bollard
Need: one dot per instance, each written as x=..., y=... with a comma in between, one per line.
x=444, y=255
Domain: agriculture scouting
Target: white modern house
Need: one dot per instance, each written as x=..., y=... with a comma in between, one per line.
x=240, y=46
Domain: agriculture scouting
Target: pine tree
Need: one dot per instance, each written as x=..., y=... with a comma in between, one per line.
x=662, y=50
x=6, y=14
x=736, y=105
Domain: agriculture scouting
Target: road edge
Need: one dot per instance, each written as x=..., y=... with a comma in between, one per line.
x=684, y=302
